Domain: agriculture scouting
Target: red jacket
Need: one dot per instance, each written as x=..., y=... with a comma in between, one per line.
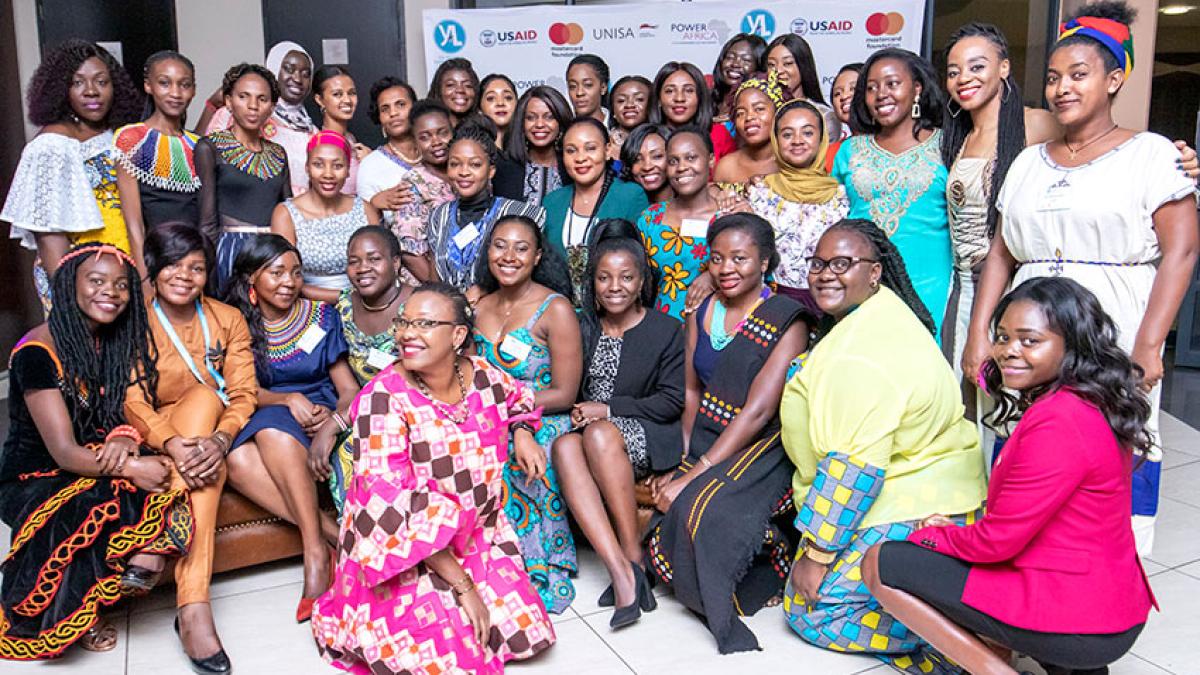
x=1054, y=552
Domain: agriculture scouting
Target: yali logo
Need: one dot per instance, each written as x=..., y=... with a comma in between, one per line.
x=449, y=36
x=759, y=22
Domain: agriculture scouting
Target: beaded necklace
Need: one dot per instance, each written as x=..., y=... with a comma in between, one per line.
x=156, y=159
x=263, y=165
x=717, y=335
x=283, y=337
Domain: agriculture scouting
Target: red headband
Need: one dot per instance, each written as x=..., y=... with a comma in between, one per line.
x=99, y=251
x=326, y=137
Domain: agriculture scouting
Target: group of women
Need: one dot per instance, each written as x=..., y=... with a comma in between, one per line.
x=709, y=323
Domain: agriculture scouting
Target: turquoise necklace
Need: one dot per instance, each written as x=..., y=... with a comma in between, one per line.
x=717, y=335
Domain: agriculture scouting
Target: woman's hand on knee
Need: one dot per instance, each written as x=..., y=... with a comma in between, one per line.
x=318, y=456
x=204, y=462
x=806, y=578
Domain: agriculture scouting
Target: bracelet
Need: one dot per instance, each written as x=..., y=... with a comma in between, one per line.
x=224, y=440
x=706, y=462
x=340, y=422
x=522, y=425
x=124, y=431
x=463, y=586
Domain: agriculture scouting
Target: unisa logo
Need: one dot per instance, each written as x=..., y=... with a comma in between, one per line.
x=759, y=22
x=449, y=36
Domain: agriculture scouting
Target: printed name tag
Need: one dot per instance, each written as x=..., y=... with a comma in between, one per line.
x=466, y=235
x=311, y=338
x=379, y=359
x=696, y=228
x=515, y=348
x=1056, y=198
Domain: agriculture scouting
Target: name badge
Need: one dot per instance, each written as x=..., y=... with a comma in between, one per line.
x=466, y=235
x=515, y=347
x=311, y=338
x=1056, y=197
x=695, y=228
x=379, y=359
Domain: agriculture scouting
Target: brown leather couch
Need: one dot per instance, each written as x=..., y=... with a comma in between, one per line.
x=247, y=536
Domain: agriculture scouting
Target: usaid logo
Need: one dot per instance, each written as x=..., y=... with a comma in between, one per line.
x=491, y=38
x=449, y=36
x=801, y=26
x=759, y=22
x=487, y=38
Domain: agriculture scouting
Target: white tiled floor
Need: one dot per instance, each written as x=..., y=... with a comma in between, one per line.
x=254, y=608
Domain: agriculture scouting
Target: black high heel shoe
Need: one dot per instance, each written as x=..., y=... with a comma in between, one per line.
x=137, y=581
x=643, y=600
x=217, y=663
x=608, y=598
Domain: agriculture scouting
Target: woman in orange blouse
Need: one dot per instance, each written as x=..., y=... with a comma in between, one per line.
x=206, y=392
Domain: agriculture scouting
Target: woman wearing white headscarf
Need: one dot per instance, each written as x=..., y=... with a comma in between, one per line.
x=290, y=125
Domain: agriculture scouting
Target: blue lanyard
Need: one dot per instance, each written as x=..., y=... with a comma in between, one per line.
x=187, y=356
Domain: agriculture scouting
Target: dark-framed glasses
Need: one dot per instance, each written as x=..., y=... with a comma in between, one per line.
x=837, y=264
x=422, y=325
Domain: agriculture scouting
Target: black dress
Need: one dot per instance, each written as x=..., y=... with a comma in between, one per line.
x=71, y=535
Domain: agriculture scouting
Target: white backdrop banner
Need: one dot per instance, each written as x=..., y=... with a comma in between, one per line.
x=533, y=45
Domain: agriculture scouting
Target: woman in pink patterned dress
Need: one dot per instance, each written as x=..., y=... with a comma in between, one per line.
x=429, y=577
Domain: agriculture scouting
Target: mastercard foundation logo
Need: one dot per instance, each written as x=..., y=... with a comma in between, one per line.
x=566, y=33
x=890, y=23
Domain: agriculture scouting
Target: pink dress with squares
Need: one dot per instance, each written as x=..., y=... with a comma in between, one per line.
x=422, y=484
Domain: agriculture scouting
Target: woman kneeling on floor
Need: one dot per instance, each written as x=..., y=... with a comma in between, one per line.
x=91, y=516
x=1050, y=570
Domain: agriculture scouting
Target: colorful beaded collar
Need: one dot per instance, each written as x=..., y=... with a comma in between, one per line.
x=263, y=165
x=156, y=159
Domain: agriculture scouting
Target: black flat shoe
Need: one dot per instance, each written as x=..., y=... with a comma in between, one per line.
x=217, y=663
x=138, y=581
x=608, y=598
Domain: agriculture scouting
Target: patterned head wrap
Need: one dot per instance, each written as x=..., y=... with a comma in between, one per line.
x=768, y=84
x=1114, y=35
x=325, y=137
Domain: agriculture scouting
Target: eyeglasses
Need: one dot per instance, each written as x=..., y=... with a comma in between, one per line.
x=838, y=264
x=422, y=325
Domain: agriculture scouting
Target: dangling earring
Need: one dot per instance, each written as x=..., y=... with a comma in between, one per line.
x=953, y=113
x=1007, y=88
x=253, y=296
x=916, y=110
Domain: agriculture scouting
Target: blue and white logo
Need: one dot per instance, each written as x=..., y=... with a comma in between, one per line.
x=450, y=36
x=799, y=26
x=759, y=22
x=487, y=38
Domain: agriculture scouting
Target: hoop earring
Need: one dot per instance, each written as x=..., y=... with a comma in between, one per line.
x=953, y=113
x=1007, y=89
x=916, y=110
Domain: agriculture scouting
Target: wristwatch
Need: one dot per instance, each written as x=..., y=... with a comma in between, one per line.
x=817, y=555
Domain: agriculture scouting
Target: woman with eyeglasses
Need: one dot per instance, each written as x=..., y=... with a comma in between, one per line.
x=422, y=526
x=878, y=443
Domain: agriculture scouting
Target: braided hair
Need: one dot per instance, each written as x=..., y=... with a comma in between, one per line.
x=895, y=274
x=96, y=364
x=48, y=99
x=609, y=174
x=155, y=59
x=599, y=67
x=257, y=253
x=1010, y=135
x=1094, y=365
x=475, y=131
x=236, y=73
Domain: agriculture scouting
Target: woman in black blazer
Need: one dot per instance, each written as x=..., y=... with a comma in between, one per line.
x=627, y=426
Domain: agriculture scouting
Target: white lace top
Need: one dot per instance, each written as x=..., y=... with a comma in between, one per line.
x=57, y=187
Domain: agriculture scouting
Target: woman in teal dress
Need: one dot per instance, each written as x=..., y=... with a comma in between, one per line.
x=675, y=232
x=375, y=298
x=526, y=325
x=893, y=171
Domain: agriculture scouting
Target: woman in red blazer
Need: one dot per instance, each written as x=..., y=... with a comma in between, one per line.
x=1051, y=570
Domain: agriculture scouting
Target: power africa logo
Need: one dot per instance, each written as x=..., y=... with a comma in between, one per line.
x=759, y=22
x=566, y=33
x=449, y=36
x=880, y=23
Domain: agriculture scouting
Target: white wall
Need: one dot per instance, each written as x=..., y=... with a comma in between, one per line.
x=28, y=52
x=414, y=41
x=217, y=34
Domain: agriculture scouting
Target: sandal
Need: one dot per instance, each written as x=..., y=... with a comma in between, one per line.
x=101, y=637
x=137, y=581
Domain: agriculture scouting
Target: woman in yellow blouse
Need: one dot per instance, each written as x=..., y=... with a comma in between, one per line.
x=876, y=406
x=206, y=392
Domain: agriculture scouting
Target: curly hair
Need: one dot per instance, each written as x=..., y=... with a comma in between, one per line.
x=1094, y=366
x=257, y=253
x=895, y=274
x=236, y=73
x=931, y=100
x=49, y=100
x=425, y=107
x=381, y=85
x=551, y=271
x=99, y=361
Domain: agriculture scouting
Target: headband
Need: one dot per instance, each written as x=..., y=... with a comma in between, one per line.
x=99, y=251
x=769, y=85
x=1114, y=35
x=326, y=137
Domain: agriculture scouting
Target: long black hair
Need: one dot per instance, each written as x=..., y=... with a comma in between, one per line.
x=612, y=235
x=704, y=106
x=48, y=98
x=930, y=100
x=448, y=66
x=810, y=83
x=633, y=145
x=1094, y=366
x=895, y=274
x=515, y=144
x=1010, y=134
x=551, y=270
x=153, y=60
x=758, y=47
x=97, y=365
x=256, y=254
